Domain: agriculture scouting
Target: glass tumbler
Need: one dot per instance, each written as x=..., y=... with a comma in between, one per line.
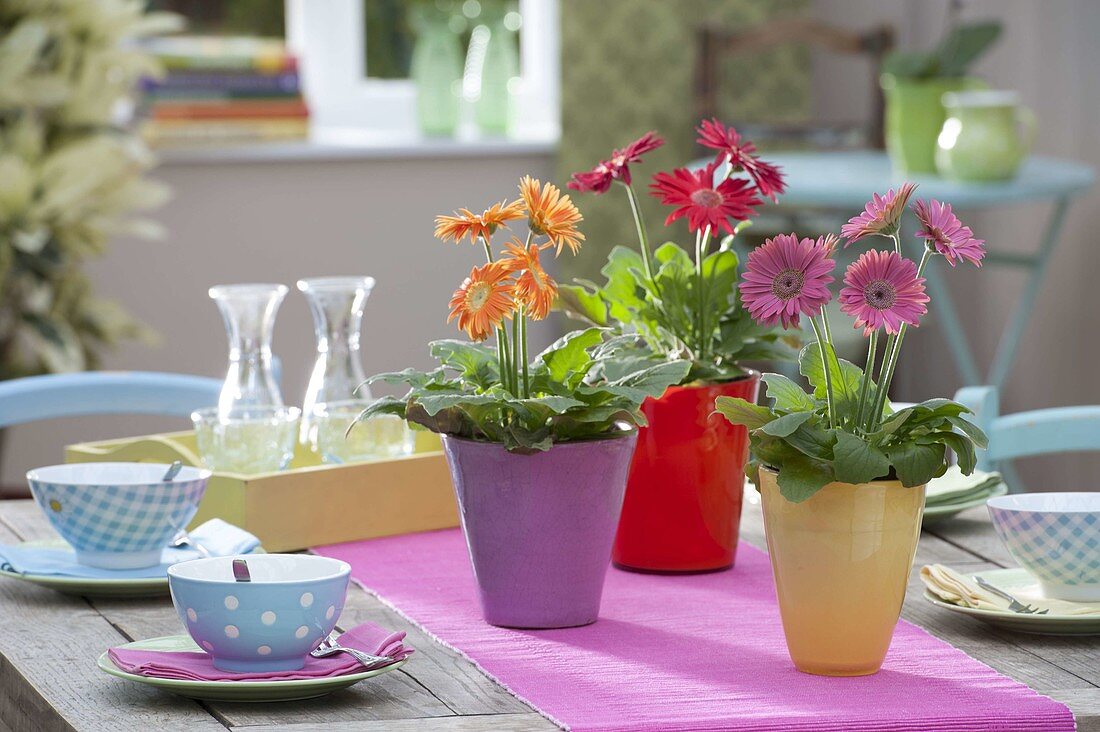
x=247, y=439
x=343, y=440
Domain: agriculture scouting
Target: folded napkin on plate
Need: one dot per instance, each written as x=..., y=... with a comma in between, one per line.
x=199, y=666
x=216, y=536
x=954, y=487
x=950, y=586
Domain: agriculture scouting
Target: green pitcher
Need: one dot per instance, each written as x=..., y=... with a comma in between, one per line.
x=914, y=117
x=985, y=137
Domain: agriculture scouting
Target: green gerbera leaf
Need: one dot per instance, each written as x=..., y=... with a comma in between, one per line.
x=856, y=461
x=787, y=424
x=787, y=395
x=739, y=411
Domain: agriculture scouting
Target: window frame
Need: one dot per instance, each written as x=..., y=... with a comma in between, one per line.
x=329, y=35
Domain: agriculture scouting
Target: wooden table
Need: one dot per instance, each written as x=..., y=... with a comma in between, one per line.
x=49, y=643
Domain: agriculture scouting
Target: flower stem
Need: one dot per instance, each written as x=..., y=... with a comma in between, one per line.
x=702, y=239
x=643, y=237
x=515, y=355
x=523, y=352
x=890, y=360
x=868, y=371
x=828, y=377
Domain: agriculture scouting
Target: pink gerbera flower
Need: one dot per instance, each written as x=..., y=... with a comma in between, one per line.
x=882, y=215
x=742, y=154
x=786, y=278
x=599, y=179
x=882, y=289
x=694, y=195
x=943, y=230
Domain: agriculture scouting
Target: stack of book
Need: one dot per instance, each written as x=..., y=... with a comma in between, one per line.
x=223, y=90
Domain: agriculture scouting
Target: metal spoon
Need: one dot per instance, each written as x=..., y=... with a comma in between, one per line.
x=240, y=571
x=329, y=646
x=173, y=470
x=184, y=540
x=1014, y=605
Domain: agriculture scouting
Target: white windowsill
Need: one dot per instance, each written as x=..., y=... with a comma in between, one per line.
x=351, y=144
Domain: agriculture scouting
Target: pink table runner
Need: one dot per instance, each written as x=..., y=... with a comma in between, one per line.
x=703, y=652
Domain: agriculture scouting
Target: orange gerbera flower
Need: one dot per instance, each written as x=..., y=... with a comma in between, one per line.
x=483, y=301
x=467, y=223
x=552, y=214
x=535, y=289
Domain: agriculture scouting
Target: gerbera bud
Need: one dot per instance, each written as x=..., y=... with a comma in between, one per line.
x=881, y=216
x=943, y=231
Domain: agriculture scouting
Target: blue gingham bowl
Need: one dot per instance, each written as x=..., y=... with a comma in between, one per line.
x=1056, y=537
x=269, y=623
x=117, y=515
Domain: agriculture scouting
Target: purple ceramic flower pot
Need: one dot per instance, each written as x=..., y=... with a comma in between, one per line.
x=539, y=527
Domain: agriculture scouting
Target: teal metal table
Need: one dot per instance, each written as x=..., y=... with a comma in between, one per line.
x=842, y=182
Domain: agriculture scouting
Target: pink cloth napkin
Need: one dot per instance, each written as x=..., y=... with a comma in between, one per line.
x=198, y=665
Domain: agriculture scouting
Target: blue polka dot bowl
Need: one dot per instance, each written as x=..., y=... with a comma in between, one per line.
x=117, y=515
x=269, y=623
x=1055, y=537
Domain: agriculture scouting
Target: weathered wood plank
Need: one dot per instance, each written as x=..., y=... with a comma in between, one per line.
x=973, y=531
x=530, y=722
x=48, y=678
x=1085, y=704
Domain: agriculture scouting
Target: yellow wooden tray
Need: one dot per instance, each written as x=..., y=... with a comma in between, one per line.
x=309, y=504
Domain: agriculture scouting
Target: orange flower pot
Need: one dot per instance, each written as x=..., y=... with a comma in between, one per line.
x=841, y=561
x=682, y=509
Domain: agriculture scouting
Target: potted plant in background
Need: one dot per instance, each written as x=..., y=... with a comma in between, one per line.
x=683, y=500
x=70, y=175
x=538, y=449
x=914, y=83
x=841, y=475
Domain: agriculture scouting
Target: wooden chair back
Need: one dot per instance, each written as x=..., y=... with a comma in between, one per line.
x=713, y=44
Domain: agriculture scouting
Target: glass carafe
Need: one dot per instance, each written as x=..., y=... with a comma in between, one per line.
x=337, y=305
x=249, y=315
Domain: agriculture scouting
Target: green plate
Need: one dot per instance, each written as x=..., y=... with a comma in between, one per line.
x=235, y=691
x=1023, y=586
x=932, y=514
x=94, y=586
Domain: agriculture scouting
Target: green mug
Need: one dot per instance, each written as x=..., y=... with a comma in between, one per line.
x=914, y=117
x=985, y=137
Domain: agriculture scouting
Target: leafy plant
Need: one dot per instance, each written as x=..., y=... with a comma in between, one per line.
x=70, y=175
x=569, y=398
x=679, y=305
x=678, y=312
x=844, y=429
x=963, y=45
x=582, y=387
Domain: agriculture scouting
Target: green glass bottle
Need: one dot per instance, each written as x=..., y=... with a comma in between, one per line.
x=493, y=109
x=436, y=70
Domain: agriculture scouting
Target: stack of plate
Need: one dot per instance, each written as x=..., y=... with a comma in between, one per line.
x=954, y=492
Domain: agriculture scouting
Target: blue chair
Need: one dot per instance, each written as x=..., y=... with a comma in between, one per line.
x=104, y=392
x=1038, y=432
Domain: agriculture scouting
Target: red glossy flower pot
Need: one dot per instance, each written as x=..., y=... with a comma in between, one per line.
x=682, y=509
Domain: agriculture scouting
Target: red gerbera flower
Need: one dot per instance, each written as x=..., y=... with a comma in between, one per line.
x=599, y=179
x=742, y=154
x=695, y=196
